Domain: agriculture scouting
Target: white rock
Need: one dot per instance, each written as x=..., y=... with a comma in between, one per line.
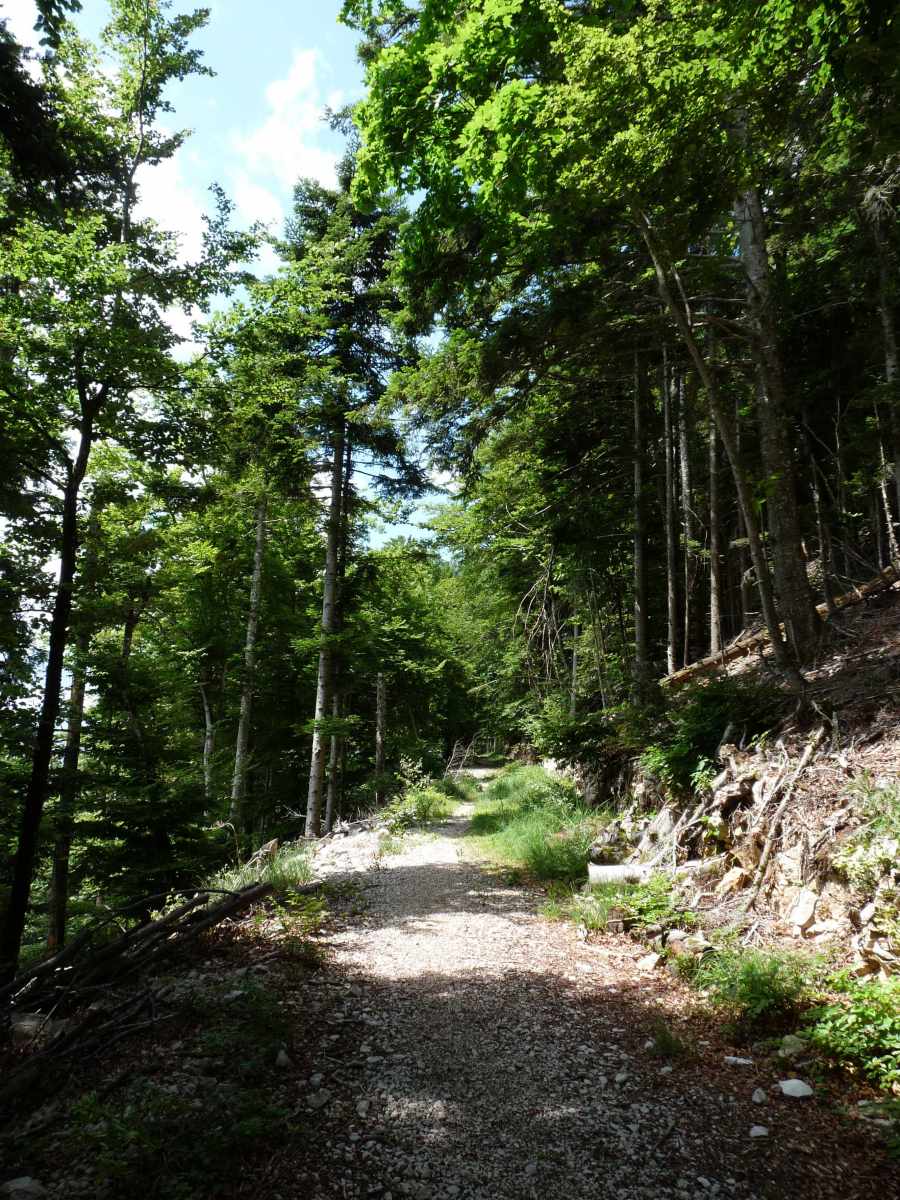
x=867, y=912
x=804, y=910
x=362, y=1108
x=791, y=1046
x=732, y=1060
x=23, y=1188
x=759, y=1096
x=282, y=1059
x=795, y=1087
x=649, y=962
x=758, y=1131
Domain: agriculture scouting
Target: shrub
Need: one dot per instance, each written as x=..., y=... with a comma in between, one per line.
x=289, y=867
x=418, y=807
x=644, y=905
x=861, y=1031
x=697, y=721
x=872, y=850
x=757, y=988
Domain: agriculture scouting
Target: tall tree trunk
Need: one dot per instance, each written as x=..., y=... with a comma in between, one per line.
x=715, y=545
x=239, y=778
x=689, y=532
x=782, y=652
x=671, y=528
x=329, y=628
x=641, y=642
x=39, y=781
x=573, y=685
x=890, y=530
x=209, y=743
x=68, y=798
x=380, y=730
x=891, y=357
x=333, y=794
x=795, y=596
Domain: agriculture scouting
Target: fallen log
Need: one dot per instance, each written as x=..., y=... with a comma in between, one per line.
x=747, y=645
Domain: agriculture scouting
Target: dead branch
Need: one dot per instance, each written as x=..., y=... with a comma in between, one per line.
x=779, y=814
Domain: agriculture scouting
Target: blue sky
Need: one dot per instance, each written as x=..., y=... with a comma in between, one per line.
x=257, y=125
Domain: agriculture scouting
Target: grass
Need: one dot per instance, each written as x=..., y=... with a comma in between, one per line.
x=289, y=867
x=535, y=821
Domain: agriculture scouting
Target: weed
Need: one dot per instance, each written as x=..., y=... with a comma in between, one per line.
x=667, y=1043
x=861, y=1030
x=643, y=905
x=759, y=989
x=417, y=807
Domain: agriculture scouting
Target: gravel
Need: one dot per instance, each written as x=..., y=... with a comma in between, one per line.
x=485, y=1053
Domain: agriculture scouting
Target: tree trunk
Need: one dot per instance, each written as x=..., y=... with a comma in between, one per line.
x=671, y=529
x=39, y=781
x=795, y=597
x=715, y=545
x=641, y=643
x=380, y=729
x=333, y=797
x=239, y=779
x=689, y=533
x=781, y=651
x=891, y=358
x=209, y=744
x=329, y=628
x=68, y=797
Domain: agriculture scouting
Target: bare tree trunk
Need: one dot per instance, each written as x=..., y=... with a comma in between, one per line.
x=39, y=782
x=209, y=743
x=641, y=645
x=689, y=533
x=380, y=730
x=891, y=357
x=68, y=796
x=781, y=651
x=671, y=529
x=795, y=596
x=239, y=778
x=333, y=795
x=573, y=689
x=329, y=628
x=715, y=546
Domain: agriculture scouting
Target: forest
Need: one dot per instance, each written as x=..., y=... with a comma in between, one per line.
x=624, y=273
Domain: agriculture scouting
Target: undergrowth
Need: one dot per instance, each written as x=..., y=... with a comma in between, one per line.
x=641, y=905
x=534, y=820
x=289, y=867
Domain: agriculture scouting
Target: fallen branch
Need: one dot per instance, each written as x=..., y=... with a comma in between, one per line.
x=811, y=746
x=745, y=645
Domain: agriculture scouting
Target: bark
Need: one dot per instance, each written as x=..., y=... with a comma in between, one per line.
x=209, y=743
x=380, y=729
x=68, y=798
x=671, y=529
x=715, y=546
x=39, y=781
x=781, y=651
x=329, y=628
x=689, y=532
x=795, y=596
x=573, y=689
x=239, y=779
x=641, y=642
x=891, y=357
x=333, y=797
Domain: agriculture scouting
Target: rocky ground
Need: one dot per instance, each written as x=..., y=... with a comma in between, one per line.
x=480, y=1051
x=445, y=1041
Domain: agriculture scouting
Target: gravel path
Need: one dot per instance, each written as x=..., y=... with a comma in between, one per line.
x=464, y=1047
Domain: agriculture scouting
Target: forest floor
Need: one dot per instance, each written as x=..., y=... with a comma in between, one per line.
x=443, y=1042
x=483, y=1052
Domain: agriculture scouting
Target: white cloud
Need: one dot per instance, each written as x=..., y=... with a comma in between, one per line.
x=164, y=195
x=256, y=203
x=20, y=17
x=284, y=147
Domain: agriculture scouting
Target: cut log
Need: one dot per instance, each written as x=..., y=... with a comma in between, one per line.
x=747, y=645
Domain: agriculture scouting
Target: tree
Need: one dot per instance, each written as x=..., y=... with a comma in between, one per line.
x=83, y=324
